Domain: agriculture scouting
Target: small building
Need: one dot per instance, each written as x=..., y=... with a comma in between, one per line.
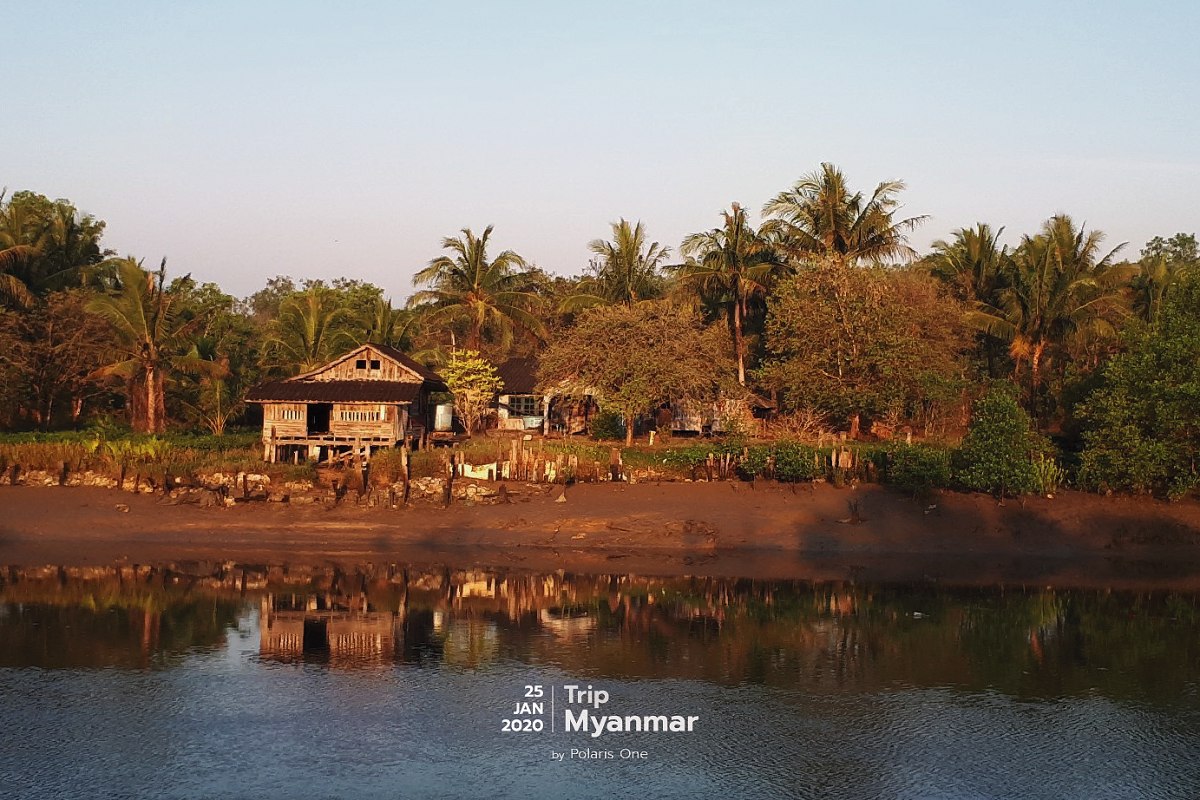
x=373, y=396
x=519, y=405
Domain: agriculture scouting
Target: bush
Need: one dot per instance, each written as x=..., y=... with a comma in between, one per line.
x=919, y=469
x=608, y=426
x=996, y=455
x=796, y=462
x=754, y=463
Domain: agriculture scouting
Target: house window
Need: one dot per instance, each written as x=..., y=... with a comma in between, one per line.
x=524, y=405
x=289, y=414
x=360, y=364
x=374, y=364
x=361, y=415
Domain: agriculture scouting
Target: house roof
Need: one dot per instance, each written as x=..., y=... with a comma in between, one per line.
x=519, y=376
x=407, y=360
x=297, y=391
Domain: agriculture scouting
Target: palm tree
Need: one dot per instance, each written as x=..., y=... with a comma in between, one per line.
x=820, y=218
x=151, y=341
x=52, y=246
x=972, y=264
x=309, y=330
x=467, y=288
x=731, y=264
x=625, y=270
x=19, y=244
x=1058, y=290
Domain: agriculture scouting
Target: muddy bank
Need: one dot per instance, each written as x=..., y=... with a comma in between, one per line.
x=813, y=532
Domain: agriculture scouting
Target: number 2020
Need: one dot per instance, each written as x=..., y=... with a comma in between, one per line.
x=521, y=726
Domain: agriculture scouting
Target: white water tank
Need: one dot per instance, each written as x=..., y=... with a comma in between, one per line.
x=443, y=418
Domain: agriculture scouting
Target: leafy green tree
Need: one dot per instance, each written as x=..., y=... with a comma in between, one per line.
x=1163, y=263
x=50, y=354
x=730, y=264
x=226, y=336
x=626, y=269
x=474, y=383
x=1143, y=423
x=853, y=342
x=487, y=297
x=152, y=342
x=997, y=453
x=820, y=218
x=633, y=358
x=1059, y=291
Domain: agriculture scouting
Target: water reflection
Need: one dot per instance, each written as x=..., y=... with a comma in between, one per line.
x=1029, y=643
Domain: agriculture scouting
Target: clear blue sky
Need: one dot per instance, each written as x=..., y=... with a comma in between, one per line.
x=244, y=140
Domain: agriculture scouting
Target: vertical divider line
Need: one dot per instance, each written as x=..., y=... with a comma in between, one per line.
x=552, y=708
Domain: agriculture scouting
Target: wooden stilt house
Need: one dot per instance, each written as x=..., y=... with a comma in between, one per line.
x=374, y=396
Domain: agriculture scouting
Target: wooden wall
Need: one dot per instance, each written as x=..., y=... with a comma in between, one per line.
x=364, y=420
x=287, y=419
x=388, y=370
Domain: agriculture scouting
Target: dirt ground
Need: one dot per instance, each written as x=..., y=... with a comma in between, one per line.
x=760, y=530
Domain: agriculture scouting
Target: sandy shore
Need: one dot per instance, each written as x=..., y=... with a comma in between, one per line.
x=725, y=529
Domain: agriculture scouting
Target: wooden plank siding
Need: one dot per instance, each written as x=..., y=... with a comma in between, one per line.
x=346, y=369
x=375, y=405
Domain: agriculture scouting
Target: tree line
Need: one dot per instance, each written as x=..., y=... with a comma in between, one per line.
x=824, y=308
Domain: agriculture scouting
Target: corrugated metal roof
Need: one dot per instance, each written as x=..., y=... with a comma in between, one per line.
x=294, y=391
x=519, y=375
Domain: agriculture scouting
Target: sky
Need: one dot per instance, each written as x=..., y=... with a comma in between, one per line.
x=244, y=140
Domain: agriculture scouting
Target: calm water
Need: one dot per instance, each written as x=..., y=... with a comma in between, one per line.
x=397, y=683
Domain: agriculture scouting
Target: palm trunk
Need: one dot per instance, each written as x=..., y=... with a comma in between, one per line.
x=739, y=340
x=1035, y=363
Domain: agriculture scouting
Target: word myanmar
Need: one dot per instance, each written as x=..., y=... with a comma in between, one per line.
x=585, y=719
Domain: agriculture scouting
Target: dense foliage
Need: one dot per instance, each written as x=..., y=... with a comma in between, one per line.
x=1144, y=422
x=819, y=308
x=998, y=451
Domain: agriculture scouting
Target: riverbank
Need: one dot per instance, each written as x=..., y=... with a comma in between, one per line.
x=731, y=529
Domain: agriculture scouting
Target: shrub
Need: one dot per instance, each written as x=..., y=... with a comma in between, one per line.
x=919, y=469
x=607, y=426
x=796, y=462
x=754, y=462
x=996, y=455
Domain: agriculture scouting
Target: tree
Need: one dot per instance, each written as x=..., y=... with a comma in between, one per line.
x=974, y=266
x=997, y=453
x=626, y=269
x=731, y=264
x=820, y=218
x=633, y=358
x=309, y=330
x=1059, y=291
x=47, y=245
x=853, y=342
x=1163, y=263
x=474, y=383
x=152, y=342
x=972, y=263
x=1143, y=422
x=488, y=297
x=229, y=338
x=51, y=353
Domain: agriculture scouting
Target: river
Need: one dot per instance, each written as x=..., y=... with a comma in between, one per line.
x=398, y=682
